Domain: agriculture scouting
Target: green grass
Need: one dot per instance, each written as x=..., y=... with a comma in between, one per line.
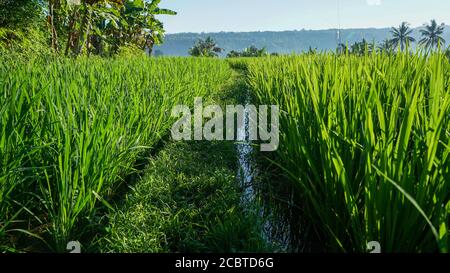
x=367, y=140
x=188, y=201
x=71, y=131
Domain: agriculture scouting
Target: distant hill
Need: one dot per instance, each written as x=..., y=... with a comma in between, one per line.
x=281, y=42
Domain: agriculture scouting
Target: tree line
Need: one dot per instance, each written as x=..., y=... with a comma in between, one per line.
x=76, y=27
x=402, y=38
x=209, y=48
x=432, y=39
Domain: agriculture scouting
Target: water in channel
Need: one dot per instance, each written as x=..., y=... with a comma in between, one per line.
x=276, y=233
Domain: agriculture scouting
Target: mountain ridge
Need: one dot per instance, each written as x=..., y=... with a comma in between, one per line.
x=285, y=42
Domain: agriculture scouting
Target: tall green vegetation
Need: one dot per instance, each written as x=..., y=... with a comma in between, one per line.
x=75, y=27
x=367, y=141
x=70, y=131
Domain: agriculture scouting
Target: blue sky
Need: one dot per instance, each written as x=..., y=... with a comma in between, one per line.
x=260, y=15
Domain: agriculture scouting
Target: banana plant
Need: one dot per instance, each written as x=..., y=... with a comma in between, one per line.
x=88, y=21
x=98, y=15
x=141, y=27
x=116, y=23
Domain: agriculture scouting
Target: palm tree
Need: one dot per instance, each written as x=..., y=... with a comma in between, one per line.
x=432, y=35
x=402, y=36
x=205, y=48
x=385, y=46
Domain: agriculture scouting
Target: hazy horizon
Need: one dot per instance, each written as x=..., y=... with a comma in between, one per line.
x=205, y=16
x=289, y=30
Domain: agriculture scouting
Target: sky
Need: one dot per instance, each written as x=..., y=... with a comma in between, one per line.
x=279, y=15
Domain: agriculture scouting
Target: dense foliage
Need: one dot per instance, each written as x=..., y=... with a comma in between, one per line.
x=75, y=27
x=252, y=51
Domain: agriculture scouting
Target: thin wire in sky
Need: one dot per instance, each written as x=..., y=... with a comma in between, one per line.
x=338, y=22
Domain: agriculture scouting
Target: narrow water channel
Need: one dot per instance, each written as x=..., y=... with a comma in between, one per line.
x=275, y=232
x=247, y=167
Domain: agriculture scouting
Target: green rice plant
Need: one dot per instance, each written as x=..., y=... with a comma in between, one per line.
x=71, y=130
x=367, y=140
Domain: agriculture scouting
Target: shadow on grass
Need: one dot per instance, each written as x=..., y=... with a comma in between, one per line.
x=188, y=201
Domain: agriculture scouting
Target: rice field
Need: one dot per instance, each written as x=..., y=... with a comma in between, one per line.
x=367, y=142
x=71, y=131
x=364, y=139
